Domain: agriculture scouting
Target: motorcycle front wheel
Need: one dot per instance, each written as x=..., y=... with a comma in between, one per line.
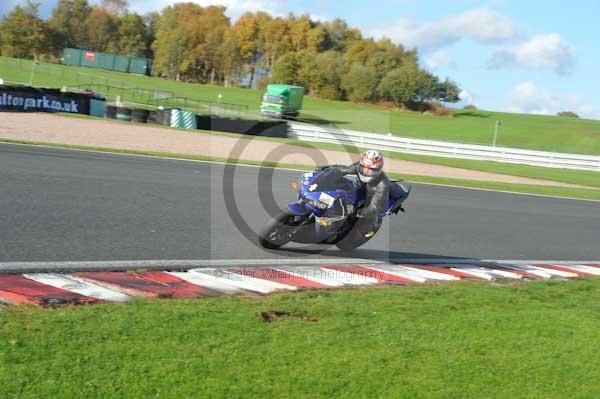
x=278, y=231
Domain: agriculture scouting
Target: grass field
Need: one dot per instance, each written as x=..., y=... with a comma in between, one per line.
x=517, y=130
x=461, y=340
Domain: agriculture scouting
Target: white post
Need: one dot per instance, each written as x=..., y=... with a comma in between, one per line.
x=498, y=123
x=33, y=65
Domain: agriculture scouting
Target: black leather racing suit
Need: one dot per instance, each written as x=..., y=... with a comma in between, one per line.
x=377, y=190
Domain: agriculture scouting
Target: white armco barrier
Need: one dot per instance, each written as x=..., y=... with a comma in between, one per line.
x=306, y=132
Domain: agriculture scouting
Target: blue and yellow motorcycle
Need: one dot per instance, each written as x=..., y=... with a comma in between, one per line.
x=325, y=213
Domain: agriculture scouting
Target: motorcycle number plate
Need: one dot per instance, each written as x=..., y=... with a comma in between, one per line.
x=326, y=198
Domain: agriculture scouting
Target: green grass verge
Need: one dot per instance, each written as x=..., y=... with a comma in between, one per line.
x=571, y=176
x=460, y=340
x=566, y=192
x=518, y=130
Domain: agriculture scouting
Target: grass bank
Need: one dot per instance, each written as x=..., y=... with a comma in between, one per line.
x=461, y=340
x=518, y=130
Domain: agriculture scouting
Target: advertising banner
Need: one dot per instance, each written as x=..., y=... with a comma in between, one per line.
x=30, y=99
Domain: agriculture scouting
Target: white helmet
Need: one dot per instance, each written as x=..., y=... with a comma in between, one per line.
x=370, y=166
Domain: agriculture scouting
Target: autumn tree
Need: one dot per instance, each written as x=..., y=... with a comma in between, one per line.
x=229, y=57
x=213, y=61
x=286, y=69
x=299, y=29
x=428, y=87
x=317, y=39
x=400, y=84
x=360, y=52
x=390, y=56
x=68, y=20
x=340, y=35
x=360, y=83
x=133, y=35
x=204, y=31
x=246, y=33
x=188, y=41
x=277, y=42
x=327, y=81
x=151, y=21
x=23, y=34
x=118, y=7
x=102, y=30
x=169, y=45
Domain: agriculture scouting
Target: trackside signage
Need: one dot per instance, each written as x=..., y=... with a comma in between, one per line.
x=28, y=99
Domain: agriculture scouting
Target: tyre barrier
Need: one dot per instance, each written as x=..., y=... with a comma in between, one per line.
x=163, y=117
x=176, y=118
x=152, y=117
x=124, y=113
x=243, y=126
x=139, y=115
x=188, y=119
x=111, y=111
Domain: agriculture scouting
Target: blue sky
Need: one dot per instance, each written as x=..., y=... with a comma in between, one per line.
x=524, y=56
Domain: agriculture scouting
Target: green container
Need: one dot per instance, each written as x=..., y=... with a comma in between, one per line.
x=111, y=62
x=121, y=63
x=106, y=61
x=140, y=66
x=90, y=59
x=72, y=56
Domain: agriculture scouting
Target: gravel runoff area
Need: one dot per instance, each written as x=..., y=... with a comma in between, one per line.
x=56, y=129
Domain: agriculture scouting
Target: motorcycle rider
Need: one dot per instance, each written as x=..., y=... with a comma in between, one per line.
x=375, y=182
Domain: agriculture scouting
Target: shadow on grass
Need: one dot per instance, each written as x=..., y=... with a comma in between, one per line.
x=475, y=114
x=317, y=120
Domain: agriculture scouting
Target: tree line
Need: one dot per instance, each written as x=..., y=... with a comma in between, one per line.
x=201, y=44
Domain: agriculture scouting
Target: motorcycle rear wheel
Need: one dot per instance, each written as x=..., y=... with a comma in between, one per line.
x=278, y=231
x=362, y=231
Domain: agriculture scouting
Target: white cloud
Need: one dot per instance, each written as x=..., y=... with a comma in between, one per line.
x=480, y=24
x=440, y=59
x=319, y=17
x=465, y=97
x=540, y=52
x=530, y=98
x=235, y=8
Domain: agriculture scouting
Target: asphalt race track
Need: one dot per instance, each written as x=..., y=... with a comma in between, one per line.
x=62, y=205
